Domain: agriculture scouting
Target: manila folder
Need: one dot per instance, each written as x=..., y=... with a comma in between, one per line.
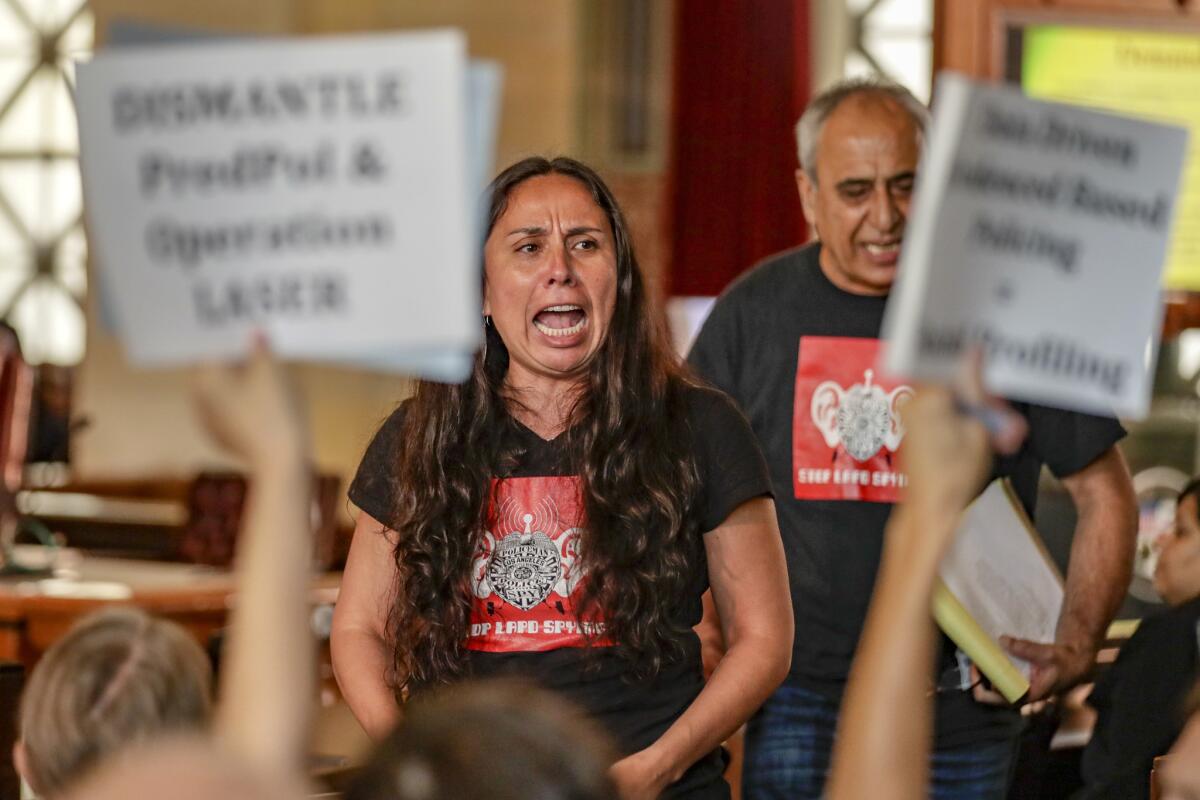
x=997, y=580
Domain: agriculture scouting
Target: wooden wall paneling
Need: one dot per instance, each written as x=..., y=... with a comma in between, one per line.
x=959, y=29
x=624, y=96
x=622, y=115
x=968, y=34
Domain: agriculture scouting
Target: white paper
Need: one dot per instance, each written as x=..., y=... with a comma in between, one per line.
x=484, y=82
x=999, y=573
x=373, y=204
x=1040, y=231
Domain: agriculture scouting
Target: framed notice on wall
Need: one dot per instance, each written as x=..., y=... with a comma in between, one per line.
x=1150, y=74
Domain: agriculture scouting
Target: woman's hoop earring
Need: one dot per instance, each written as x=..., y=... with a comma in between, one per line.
x=487, y=323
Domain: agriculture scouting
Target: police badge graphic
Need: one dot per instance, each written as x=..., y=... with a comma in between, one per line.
x=524, y=565
x=861, y=419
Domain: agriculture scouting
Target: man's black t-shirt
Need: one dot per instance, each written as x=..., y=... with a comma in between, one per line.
x=800, y=356
x=526, y=577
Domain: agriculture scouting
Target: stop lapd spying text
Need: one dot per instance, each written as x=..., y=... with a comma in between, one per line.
x=852, y=477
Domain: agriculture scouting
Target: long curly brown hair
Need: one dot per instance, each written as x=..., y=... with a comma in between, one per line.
x=628, y=441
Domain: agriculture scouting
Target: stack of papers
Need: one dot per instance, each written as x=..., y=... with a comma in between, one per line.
x=996, y=579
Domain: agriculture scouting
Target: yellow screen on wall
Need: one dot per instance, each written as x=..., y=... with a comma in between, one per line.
x=1151, y=75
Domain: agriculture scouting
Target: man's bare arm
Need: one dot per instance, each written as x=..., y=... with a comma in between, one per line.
x=1101, y=565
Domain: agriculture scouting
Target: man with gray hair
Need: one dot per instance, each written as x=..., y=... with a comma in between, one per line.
x=796, y=341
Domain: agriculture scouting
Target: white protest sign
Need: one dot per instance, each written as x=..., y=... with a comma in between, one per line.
x=484, y=81
x=1038, y=231
x=317, y=189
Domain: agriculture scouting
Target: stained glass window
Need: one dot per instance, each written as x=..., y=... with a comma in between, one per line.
x=43, y=253
x=893, y=38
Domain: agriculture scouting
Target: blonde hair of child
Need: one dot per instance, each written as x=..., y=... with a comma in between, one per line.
x=119, y=677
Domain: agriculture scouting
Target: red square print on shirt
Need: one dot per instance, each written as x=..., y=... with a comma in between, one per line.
x=845, y=428
x=527, y=575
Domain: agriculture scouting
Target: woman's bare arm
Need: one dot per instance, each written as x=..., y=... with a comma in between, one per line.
x=362, y=656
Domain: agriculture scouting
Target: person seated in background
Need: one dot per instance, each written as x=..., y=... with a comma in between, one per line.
x=886, y=727
x=119, y=677
x=446, y=749
x=1141, y=700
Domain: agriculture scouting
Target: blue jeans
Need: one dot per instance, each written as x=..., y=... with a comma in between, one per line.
x=789, y=741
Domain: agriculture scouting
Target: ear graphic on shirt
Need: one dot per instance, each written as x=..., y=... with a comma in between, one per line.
x=479, y=567
x=568, y=547
x=825, y=403
x=862, y=419
x=896, y=400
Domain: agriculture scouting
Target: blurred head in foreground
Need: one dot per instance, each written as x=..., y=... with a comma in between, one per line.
x=119, y=677
x=501, y=740
x=184, y=768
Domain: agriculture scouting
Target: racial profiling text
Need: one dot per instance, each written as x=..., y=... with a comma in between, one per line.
x=1047, y=355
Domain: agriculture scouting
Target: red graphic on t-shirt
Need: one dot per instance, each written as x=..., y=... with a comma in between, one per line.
x=845, y=426
x=527, y=574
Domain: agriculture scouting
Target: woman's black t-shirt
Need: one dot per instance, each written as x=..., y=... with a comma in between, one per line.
x=526, y=577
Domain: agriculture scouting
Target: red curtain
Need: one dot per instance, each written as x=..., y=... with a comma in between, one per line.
x=741, y=80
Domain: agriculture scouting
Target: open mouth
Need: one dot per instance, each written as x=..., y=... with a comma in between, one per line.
x=561, y=320
x=886, y=249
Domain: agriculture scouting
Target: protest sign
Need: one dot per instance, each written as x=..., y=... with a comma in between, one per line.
x=317, y=189
x=1039, y=232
